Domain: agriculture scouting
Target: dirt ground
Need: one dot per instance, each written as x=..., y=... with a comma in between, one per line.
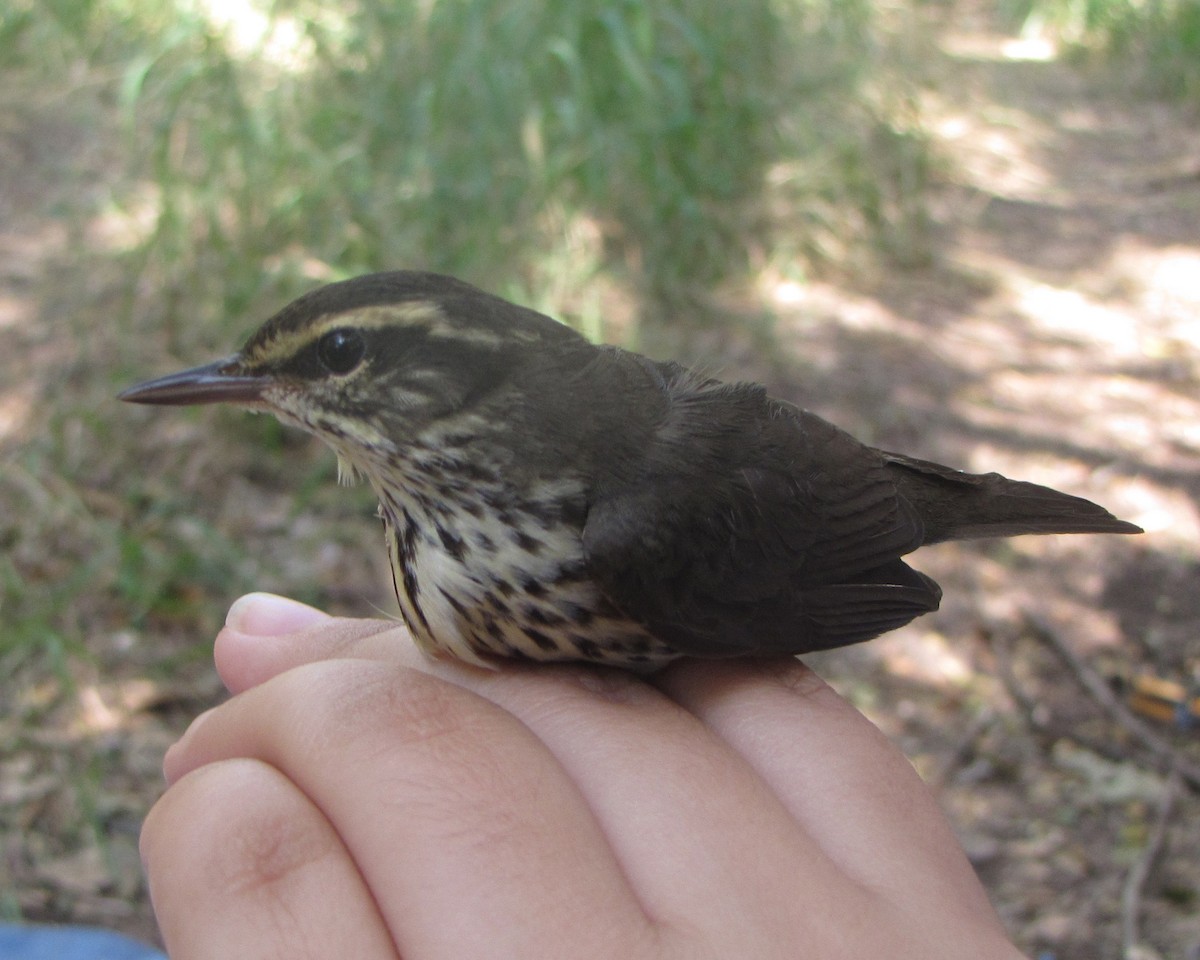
x=1055, y=338
x=1058, y=340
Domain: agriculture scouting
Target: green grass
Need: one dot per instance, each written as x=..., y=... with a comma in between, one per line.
x=482, y=138
x=1159, y=39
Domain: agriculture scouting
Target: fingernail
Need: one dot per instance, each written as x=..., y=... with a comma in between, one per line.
x=267, y=615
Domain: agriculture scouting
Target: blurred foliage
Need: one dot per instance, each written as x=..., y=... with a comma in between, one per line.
x=525, y=146
x=1161, y=38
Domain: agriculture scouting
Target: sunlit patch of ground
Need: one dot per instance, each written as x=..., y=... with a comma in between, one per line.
x=1058, y=341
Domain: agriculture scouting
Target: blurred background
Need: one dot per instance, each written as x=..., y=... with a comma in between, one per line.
x=968, y=231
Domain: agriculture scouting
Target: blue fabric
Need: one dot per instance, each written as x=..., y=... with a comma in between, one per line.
x=19, y=942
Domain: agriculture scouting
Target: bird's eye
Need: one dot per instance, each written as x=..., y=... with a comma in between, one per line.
x=340, y=351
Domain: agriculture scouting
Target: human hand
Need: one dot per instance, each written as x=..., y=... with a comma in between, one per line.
x=356, y=799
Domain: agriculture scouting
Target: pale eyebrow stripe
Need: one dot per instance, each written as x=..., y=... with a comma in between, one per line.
x=416, y=313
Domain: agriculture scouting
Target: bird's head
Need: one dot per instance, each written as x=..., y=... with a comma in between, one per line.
x=372, y=364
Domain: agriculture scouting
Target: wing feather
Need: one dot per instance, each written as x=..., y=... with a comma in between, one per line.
x=748, y=525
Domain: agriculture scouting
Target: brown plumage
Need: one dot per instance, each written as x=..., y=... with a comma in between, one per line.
x=550, y=499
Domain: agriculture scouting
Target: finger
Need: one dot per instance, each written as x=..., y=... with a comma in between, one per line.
x=242, y=865
x=834, y=771
x=265, y=635
x=704, y=841
x=268, y=614
x=470, y=836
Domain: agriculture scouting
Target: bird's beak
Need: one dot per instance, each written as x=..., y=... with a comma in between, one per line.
x=218, y=382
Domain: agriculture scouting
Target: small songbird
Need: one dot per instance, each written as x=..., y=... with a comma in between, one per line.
x=548, y=499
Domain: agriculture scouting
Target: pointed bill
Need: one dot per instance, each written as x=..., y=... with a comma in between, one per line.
x=217, y=382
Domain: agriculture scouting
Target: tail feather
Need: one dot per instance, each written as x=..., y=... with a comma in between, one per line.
x=955, y=505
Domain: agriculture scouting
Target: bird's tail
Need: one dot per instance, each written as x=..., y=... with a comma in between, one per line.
x=963, y=506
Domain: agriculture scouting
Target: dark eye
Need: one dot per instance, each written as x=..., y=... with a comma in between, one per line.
x=340, y=351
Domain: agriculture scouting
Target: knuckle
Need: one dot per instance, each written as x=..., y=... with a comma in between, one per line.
x=246, y=829
x=609, y=684
x=436, y=746
x=350, y=705
x=798, y=678
x=425, y=709
x=270, y=846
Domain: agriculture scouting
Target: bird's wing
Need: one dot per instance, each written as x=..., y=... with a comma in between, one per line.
x=745, y=525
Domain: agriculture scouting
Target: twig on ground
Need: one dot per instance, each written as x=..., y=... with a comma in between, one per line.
x=1099, y=690
x=1131, y=895
x=966, y=742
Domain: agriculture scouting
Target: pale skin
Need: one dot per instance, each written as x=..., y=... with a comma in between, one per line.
x=355, y=799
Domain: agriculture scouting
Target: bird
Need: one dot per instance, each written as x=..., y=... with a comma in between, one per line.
x=545, y=498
